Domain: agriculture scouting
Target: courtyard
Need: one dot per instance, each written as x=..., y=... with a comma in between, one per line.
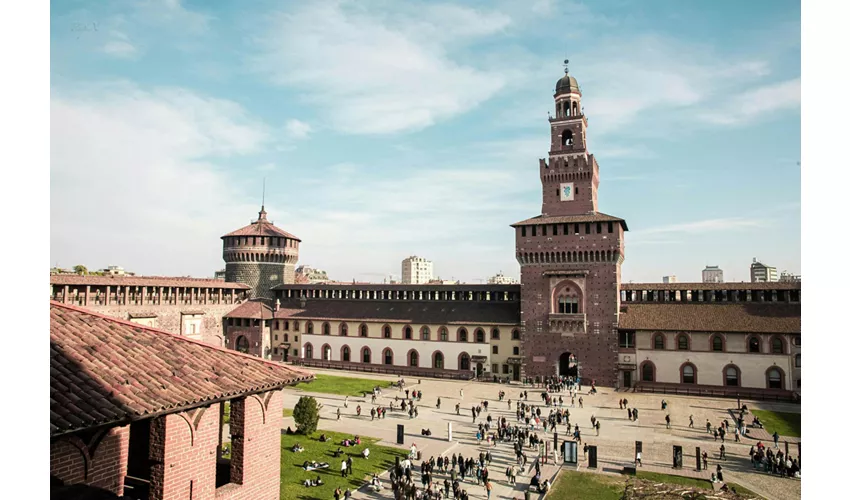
x=615, y=443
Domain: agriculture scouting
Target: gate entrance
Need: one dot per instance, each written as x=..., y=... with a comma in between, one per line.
x=567, y=366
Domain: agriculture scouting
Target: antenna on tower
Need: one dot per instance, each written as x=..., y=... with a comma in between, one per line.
x=566, y=66
x=264, y=192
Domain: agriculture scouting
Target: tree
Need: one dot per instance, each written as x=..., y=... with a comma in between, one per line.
x=80, y=269
x=306, y=415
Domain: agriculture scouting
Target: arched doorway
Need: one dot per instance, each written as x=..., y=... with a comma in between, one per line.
x=242, y=344
x=567, y=366
x=464, y=361
x=285, y=355
x=479, y=369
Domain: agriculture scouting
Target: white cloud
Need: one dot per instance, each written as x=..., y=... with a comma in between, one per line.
x=753, y=104
x=722, y=224
x=120, y=48
x=135, y=179
x=374, y=74
x=298, y=129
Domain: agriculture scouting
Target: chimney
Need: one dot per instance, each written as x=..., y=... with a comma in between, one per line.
x=277, y=305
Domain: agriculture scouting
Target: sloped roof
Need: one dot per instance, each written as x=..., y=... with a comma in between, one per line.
x=430, y=312
x=113, y=280
x=106, y=371
x=742, y=317
x=262, y=227
x=568, y=219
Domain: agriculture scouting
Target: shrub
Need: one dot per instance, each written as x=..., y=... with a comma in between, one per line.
x=306, y=415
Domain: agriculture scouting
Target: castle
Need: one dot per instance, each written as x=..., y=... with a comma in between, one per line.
x=570, y=315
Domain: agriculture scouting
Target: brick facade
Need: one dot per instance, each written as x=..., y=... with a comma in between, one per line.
x=183, y=452
x=577, y=260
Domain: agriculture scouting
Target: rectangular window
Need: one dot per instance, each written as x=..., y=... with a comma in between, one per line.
x=610, y=227
x=554, y=230
x=495, y=349
x=516, y=351
x=495, y=369
x=506, y=369
x=598, y=228
x=587, y=228
x=627, y=339
x=534, y=230
x=544, y=229
x=523, y=231
x=566, y=229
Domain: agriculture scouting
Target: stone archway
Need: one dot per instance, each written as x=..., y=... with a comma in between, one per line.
x=567, y=366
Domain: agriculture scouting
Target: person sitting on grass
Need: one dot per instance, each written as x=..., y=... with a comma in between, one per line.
x=757, y=423
x=297, y=448
x=323, y=438
x=366, y=453
x=356, y=440
x=317, y=482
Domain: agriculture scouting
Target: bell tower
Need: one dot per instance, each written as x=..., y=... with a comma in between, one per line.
x=571, y=176
x=570, y=257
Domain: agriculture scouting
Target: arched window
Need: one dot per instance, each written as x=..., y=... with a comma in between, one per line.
x=388, y=356
x=388, y=331
x=753, y=344
x=689, y=374
x=425, y=333
x=797, y=359
x=479, y=335
x=775, y=380
x=364, y=331
x=308, y=351
x=343, y=330
x=777, y=346
x=732, y=376
x=575, y=109
x=346, y=353
x=567, y=138
x=408, y=333
x=717, y=343
x=444, y=334
x=366, y=355
x=462, y=336
x=326, y=329
x=413, y=358
x=464, y=361
x=515, y=334
x=647, y=372
x=658, y=341
x=286, y=337
x=326, y=352
x=683, y=342
x=494, y=334
x=438, y=360
x=310, y=327
x=242, y=344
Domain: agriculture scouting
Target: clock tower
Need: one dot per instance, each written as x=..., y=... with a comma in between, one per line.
x=570, y=259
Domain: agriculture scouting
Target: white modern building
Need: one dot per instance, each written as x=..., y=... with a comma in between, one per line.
x=712, y=274
x=416, y=270
x=501, y=279
x=669, y=279
x=761, y=273
x=786, y=277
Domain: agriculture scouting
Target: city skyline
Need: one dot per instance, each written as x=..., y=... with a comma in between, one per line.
x=433, y=145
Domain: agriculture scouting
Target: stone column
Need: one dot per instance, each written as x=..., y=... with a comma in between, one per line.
x=88, y=290
x=65, y=295
x=106, y=300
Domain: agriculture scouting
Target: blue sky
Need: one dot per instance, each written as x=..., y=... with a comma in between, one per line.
x=386, y=129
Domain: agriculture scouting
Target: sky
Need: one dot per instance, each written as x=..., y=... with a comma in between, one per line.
x=387, y=129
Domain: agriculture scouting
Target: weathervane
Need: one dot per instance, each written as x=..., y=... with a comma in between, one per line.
x=566, y=66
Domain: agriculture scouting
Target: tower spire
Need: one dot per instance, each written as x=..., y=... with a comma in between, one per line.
x=263, y=206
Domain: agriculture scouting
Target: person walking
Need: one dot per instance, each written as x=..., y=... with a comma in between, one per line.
x=691, y=424
x=343, y=468
x=776, y=439
x=637, y=460
x=667, y=419
x=489, y=489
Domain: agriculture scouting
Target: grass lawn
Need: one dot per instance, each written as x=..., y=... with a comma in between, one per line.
x=786, y=424
x=344, y=386
x=292, y=476
x=671, y=479
x=587, y=486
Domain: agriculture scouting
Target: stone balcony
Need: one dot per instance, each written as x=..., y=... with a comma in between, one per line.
x=568, y=324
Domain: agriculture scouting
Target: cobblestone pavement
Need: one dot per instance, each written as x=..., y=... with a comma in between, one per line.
x=615, y=444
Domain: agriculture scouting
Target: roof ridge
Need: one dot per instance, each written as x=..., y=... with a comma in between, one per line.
x=163, y=332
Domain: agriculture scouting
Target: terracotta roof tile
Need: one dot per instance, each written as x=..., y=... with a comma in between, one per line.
x=112, y=280
x=567, y=219
x=106, y=371
x=745, y=317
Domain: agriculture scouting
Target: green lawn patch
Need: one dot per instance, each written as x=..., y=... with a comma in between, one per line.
x=287, y=412
x=587, y=486
x=344, y=386
x=744, y=492
x=786, y=424
x=292, y=476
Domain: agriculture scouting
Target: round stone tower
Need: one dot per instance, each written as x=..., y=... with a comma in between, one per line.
x=260, y=255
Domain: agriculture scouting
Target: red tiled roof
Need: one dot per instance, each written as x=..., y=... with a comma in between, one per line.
x=106, y=371
x=567, y=219
x=743, y=317
x=744, y=285
x=261, y=227
x=112, y=280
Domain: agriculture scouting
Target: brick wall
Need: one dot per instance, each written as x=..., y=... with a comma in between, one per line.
x=95, y=459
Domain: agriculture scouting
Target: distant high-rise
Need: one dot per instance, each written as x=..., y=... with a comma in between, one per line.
x=712, y=274
x=416, y=270
x=786, y=277
x=760, y=273
x=670, y=279
x=501, y=279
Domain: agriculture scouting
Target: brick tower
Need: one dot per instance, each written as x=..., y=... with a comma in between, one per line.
x=260, y=255
x=570, y=258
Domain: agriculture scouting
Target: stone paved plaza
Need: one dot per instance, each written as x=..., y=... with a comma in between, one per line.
x=615, y=443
